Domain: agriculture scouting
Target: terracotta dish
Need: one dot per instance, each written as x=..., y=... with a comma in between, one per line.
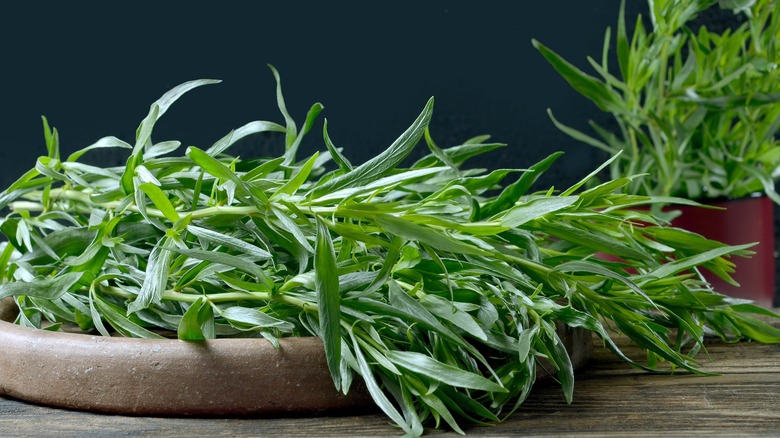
x=171, y=377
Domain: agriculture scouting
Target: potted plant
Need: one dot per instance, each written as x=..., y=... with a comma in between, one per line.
x=434, y=289
x=698, y=112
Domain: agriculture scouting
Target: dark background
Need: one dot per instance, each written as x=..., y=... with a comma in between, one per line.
x=94, y=69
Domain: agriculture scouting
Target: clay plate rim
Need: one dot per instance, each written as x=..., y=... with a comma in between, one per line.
x=218, y=377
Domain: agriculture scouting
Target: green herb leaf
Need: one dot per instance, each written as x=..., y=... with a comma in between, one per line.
x=411, y=231
x=294, y=183
x=534, y=209
x=383, y=163
x=228, y=241
x=585, y=84
x=510, y=195
x=433, y=369
x=329, y=298
x=197, y=324
x=105, y=142
x=156, y=278
x=46, y=288
x=246, y=318
x=340, y=159
x=160, y=201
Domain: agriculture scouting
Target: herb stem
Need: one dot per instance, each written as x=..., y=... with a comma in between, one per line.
x=84, y=198
x=218, y=297
x=215, y=298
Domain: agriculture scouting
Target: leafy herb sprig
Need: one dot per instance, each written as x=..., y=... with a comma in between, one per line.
x=439, y=285
x=695, y=109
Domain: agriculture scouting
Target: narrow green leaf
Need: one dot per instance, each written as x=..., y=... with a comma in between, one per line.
x=378, y=357
x=557, y=354
x=393, y=254
x=294, y=183
x=237, y=134
x=329, y=300
x=52, y=146
x=736, y=5
x=767, y=181
x=579, y=135
x=439, y=153
x=593, y=241
x=512, y=193
x=167, y=99
x=64, y=243
x=215, y=168
x=159, y=149
x=411, y=231
x=379, y=184
x=46, y=288
x=218, y=257
x=287, y=242
x=383, y=163
x=441, y=372
x=593, y=268
x=105, y=142
x=376, y=392
x=604, y=189
x=445, y=310
x=459, y=154
x=591, y=175
x=535, y=208
x=143, y=135
x=248, y=318
x=288, y=224
x=587, y=85
x=121, y=323
x=24, y=180
x=441, y=409
x=291, y=128
x=292, y=150
x=156, y=279
x=524, y=342
x=263, y=169
x=340, y=159
x=229, y=242
x=622, y=43
x=160, y=200
x=409, y=309
x=238, y=284
x=197, y=324
x=676, y=266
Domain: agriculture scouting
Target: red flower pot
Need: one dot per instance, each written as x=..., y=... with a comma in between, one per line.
x=744, y=220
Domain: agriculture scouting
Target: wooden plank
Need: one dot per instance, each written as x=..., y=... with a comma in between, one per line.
x=18, y=419
x=611, y=398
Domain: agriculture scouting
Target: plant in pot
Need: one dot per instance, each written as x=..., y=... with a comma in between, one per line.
x=434, y=289
x=698, y=112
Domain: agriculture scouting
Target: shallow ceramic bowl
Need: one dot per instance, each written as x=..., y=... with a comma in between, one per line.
x=171, y=377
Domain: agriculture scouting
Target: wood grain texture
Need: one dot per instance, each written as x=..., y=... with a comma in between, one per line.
x=610, y=399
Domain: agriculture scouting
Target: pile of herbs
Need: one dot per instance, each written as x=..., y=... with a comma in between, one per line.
x=438, y=284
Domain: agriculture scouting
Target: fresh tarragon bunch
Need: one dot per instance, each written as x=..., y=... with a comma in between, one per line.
x=438, y=284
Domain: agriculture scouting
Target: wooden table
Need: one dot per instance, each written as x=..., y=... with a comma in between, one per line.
x=610, y=399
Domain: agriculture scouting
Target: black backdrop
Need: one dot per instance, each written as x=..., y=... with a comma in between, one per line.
x=94, y=70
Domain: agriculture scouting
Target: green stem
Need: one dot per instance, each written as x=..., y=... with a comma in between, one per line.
x=218, y=298
x=83, y=197
x=215, y=298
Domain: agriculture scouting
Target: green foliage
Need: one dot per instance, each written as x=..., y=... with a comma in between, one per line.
x=432, y=283
x=698, y=111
